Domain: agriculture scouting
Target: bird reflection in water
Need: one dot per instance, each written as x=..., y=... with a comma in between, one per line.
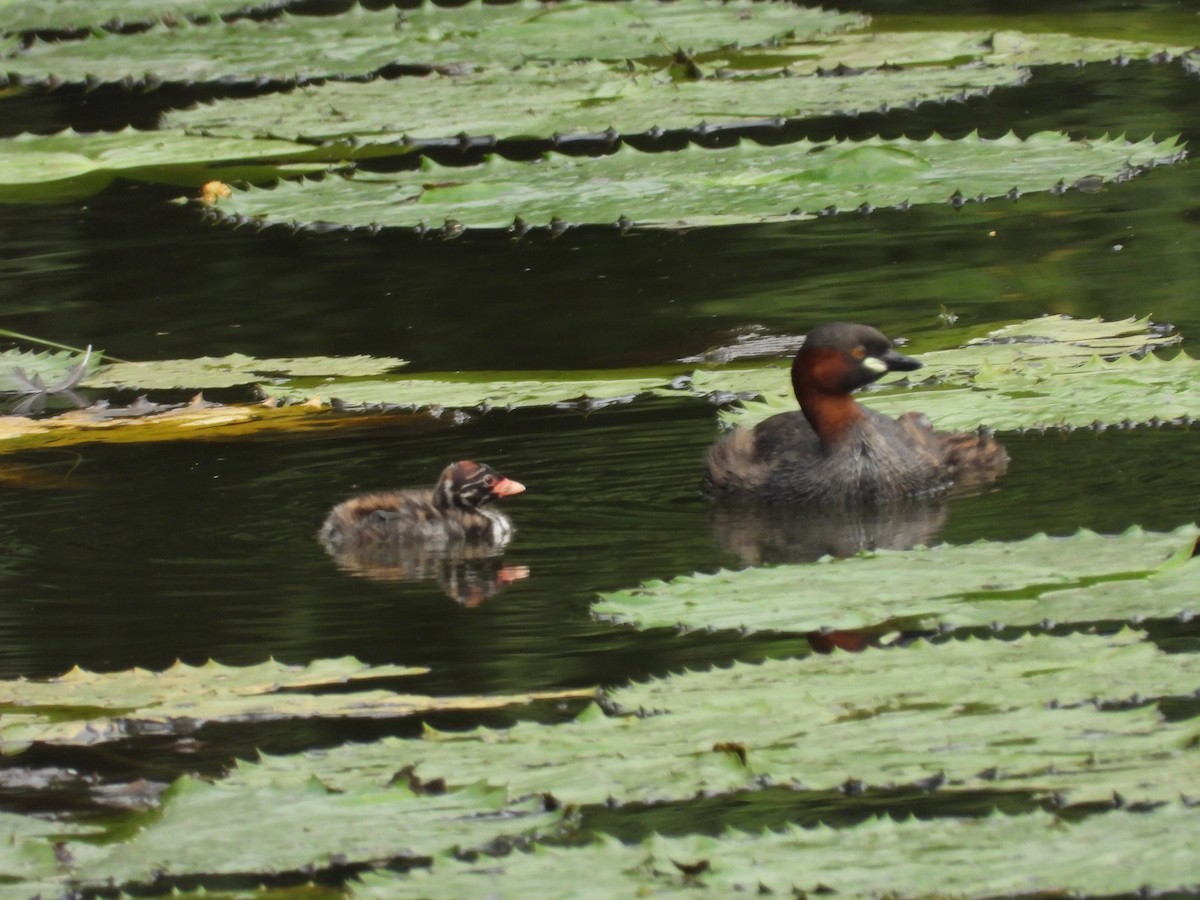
x=760, y=535
x=765, y=535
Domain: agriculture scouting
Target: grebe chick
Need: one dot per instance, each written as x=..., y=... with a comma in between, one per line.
x=453, y=513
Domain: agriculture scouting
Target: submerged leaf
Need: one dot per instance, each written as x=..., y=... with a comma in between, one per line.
x=198, y=420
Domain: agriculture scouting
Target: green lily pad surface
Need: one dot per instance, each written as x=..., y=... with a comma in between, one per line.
x=83, y=708
x=359, y=41
x=744, y=183
x=1021, y=718
x=70, y=15
x=539, y=100
x=19, y=370
x=235, y=369
x=998, y=855
x=64, y=166
x=984, y=714
x=1084, y=578
x=994, y=47
x=1028, y=346
x=482, y=389
x=27, y=848
x=213, y=829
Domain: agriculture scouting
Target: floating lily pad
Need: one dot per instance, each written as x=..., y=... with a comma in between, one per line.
x=1058, y=396
x=359, y=41
x=27, y=847
x=1020, y=347
x=995, y=47
x=475, y=389
x=997, y=855
x=83, y=708
x=1058, y=338
x=588, y=97
x=68, y=165
x=696, y=186
x=73, y=15
x=235, y=369
x=213, y=829
x=1084, y=578
x=21, y=372
x=985, y=714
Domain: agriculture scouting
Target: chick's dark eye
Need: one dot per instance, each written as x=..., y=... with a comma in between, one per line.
x=489, y=480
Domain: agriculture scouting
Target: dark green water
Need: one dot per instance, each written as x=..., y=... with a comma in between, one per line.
x=138, y=555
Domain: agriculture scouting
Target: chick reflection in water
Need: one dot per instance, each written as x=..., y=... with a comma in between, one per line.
x=449, y=533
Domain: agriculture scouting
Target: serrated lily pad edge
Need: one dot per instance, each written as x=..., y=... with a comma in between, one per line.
x=452, y=229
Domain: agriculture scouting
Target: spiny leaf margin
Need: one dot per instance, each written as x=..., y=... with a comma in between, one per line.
x=694, y=187
x=1084, y=578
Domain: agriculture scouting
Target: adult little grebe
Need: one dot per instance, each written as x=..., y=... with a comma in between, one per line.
x=454, y=512
x=836, y=451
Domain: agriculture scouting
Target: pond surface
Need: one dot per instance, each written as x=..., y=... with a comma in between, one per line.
x=135, y=555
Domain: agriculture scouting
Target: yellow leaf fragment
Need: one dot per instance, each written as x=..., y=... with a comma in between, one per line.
x=213, y=192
